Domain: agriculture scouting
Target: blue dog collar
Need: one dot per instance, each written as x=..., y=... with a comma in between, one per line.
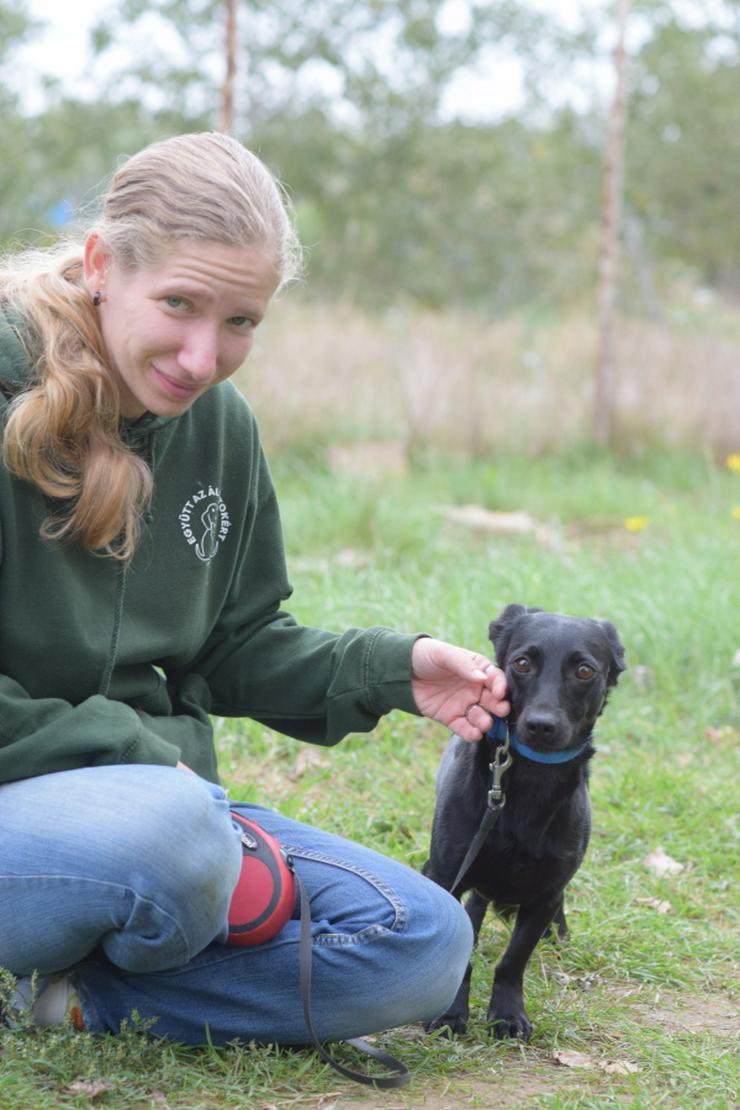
x=498, y=734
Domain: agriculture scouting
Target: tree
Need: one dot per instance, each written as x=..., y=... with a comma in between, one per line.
x=610, y=227
x=355, y=58
x=684, y=141
x=15, y=28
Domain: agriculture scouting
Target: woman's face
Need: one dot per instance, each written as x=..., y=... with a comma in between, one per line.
x=173, y=332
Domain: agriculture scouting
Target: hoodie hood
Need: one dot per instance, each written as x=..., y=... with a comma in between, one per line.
x=17, y=371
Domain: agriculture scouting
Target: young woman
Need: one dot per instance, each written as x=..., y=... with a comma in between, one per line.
x=142, y=579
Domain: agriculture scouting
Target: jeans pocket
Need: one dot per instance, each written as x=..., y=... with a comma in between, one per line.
x=350, y=903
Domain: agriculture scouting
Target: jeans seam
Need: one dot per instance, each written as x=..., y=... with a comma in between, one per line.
x=400, y=912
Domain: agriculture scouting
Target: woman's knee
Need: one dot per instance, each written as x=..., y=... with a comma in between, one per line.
x=171, y=851
x=141, y=859
x=442, y=938
x=187, y=855
x=411, y=974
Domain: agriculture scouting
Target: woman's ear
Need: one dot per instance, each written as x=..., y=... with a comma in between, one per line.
x=97, y=259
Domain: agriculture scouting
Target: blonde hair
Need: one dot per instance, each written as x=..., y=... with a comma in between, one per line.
x=62, y=434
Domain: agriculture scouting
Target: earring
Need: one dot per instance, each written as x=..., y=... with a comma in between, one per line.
x=97, y=298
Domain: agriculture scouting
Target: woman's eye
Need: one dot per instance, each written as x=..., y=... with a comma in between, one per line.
x=522, y=665
x=175, y=302
x=585, y=671
x=244, y=323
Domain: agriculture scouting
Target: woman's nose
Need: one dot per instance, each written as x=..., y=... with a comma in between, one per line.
x=198, y=355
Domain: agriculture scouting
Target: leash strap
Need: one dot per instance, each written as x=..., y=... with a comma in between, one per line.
x=400, y=1073
x=496, y=800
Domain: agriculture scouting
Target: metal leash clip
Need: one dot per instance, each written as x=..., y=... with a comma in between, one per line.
x=502, y=760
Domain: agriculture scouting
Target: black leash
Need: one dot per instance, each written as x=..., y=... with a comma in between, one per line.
x=399, y=1076
x=400, y=1073
x=496, y=799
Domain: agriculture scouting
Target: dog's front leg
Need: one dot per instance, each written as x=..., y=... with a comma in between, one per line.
x=506, y=1014
x=454, y=1021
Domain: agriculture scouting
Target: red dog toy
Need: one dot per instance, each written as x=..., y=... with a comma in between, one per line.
x=265, y=895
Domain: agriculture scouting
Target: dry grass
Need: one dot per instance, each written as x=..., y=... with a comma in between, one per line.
x=331, y=374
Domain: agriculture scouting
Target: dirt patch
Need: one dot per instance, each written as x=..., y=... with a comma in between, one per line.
x=512, y=1090
x=692, y=1013
x=534, y=1074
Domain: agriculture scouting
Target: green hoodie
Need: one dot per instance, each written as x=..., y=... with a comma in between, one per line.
x=103, y=662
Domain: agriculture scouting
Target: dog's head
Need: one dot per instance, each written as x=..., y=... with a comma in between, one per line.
x=559, y=671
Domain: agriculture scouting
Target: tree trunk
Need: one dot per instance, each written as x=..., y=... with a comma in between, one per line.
x=227, y=90
x=609, y=253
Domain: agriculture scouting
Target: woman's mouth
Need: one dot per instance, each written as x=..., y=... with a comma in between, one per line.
x=178, y=389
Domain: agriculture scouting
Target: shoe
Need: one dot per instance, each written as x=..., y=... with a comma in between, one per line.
x=49, y=1000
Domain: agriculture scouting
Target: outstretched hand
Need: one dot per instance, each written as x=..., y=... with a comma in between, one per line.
x=458, y=688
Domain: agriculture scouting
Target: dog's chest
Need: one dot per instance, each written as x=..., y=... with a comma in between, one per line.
x=527, y=854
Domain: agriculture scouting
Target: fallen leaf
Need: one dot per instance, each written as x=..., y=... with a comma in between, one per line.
x=348, y=557
x=662, y=864
x=585, y=982
x=572, y=1059
x=308, y=759
x=718, y=735
x=655, y=904
x=88, y=1090
x=499, y=523
x=618, y=1067
x=643, y=677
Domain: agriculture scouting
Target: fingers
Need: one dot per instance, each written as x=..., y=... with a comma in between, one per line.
x=478, y=717
x=491, y=702
x=495, y=680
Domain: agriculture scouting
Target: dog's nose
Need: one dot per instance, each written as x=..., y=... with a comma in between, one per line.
x=540, y=726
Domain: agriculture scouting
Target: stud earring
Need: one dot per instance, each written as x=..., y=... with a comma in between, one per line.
x=97, y=298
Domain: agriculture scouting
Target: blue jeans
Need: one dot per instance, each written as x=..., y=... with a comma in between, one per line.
x=123, y=875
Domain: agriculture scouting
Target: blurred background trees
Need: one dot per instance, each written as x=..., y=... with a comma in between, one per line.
x=443, y=156
x=414, y=173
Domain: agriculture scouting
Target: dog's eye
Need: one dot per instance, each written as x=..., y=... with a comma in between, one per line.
x=522, y=665
x=584, y=671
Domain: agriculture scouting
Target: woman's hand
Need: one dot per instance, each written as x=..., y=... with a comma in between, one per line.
x=458, y=688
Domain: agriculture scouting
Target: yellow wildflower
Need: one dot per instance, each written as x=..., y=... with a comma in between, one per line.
x=636, y=523
x=735, y=512
x=732, y=462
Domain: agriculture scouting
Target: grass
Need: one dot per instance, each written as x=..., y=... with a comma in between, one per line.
x=649, y=994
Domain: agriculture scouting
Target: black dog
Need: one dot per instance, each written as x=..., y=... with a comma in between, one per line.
x=559, y=671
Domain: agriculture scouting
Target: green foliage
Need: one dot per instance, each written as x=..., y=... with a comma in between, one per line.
x=683, y=145
x=398, y=201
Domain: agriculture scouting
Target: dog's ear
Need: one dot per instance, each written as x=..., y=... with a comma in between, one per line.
x=617, y=664
x=499, y=631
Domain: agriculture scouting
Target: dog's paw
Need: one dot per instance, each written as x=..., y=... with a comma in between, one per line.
x=507, y=1017
x=449, y=1025
x=512, y=1025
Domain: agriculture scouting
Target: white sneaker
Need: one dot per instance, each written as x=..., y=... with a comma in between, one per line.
x=54, y=1002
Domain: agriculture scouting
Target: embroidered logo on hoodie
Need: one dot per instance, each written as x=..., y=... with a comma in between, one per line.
x=205, y=522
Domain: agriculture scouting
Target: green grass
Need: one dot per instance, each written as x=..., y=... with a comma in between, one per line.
x=649, y=990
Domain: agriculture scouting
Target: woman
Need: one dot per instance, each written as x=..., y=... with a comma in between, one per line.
x=141, y=582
